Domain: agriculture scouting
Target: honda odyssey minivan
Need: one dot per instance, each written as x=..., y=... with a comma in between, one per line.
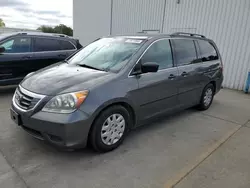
x=115, y=84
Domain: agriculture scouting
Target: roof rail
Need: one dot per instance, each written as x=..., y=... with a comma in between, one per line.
x=21, y=33
x=60, y=35
x=189, y=34
x=43, y=34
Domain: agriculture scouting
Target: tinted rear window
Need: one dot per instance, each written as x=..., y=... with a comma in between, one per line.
x=44, y=44
x=66, y=45
x=185, y=51
x=207, y=51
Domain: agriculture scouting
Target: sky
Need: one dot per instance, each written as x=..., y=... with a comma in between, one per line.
x=30, y=14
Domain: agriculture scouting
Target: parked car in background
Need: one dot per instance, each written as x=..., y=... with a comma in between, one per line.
x=22, y=53
x=116, y=84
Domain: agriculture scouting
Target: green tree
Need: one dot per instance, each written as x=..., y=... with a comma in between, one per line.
x=2, y=24
x=61, y=29
x=46, y=29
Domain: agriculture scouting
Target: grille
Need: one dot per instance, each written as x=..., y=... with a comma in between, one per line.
x=24, y=100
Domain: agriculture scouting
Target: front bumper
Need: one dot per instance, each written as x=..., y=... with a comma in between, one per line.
x=63, y=130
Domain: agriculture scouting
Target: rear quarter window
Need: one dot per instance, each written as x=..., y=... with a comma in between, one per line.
x=207, y=51
x=66, y=45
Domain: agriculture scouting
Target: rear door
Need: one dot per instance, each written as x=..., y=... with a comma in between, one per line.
x=189, y=72
x=51, y=50
x=15, y=61
x=157, y=92
x=47, y=51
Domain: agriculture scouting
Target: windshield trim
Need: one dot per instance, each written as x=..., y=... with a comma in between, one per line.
x=140, y=45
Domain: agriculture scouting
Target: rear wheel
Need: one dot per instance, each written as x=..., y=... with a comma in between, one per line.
x=109, y=129
x=206, y=97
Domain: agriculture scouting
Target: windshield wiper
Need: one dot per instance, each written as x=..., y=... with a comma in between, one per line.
x=65, y=61
x=90, y=67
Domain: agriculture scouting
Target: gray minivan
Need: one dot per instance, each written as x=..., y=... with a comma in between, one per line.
x=115, y=84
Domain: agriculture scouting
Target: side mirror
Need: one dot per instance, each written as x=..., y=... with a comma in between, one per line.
x=2, y=49
x=149, y=67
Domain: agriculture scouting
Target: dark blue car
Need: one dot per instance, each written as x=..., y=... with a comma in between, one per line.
x=22, y=53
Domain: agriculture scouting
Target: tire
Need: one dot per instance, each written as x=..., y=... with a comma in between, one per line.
x=105, y=133
x=206, y=97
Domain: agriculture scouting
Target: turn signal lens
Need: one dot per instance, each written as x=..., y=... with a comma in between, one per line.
x=80, y=96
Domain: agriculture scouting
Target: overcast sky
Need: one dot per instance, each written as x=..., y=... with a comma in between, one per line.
x=33, y=13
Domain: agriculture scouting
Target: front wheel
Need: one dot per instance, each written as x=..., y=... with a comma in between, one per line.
x=206, y=97
x=109, y=129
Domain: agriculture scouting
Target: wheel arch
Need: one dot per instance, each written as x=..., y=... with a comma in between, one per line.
x=214, y=84
x=122, y=102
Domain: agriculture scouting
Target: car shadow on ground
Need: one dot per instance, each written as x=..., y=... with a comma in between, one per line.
x=7, y=90
x=134, y=140
x=153, y=126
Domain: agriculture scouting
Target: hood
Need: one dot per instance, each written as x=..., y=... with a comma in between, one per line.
x=63, y=78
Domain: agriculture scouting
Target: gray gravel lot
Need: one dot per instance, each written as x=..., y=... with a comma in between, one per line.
x=152, y=156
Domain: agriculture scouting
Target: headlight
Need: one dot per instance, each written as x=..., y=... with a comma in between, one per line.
x=65, y=103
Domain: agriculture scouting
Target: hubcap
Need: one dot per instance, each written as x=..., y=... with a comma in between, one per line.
x=113, y=129
x=208, y=97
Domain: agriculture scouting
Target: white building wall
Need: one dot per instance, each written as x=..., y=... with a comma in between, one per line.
x=227, y=22
x=130, y=16
x=91, y=19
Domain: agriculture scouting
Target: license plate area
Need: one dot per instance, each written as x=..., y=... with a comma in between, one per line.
x=15, y=117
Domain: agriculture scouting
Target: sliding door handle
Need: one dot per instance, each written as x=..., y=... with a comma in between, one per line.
x=184, y=74
x=171, y=77
x=26, y=57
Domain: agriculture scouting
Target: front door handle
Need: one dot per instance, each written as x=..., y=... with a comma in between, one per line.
x=62, y=55
x=184, y=74
x=171, y=77
x=26, y=57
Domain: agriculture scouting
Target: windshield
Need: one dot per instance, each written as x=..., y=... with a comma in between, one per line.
x=108, y=54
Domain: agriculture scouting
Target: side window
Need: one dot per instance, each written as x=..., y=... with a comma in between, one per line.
x=207, y=51
x=17, y=45
x=66, y=45
x=8, y=45
x=160, y=52
x=185, y=51
x=45, y=45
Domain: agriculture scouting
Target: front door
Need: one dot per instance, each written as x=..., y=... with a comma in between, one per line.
x=157, y=92
x=15, y=61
